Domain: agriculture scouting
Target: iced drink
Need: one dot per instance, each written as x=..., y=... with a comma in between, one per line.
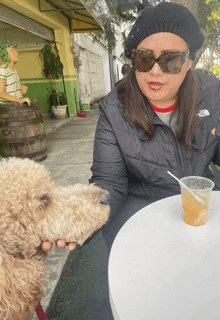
x=194, y=212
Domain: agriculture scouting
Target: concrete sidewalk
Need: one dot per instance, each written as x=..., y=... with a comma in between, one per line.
x=69, y=159
x=70, y=148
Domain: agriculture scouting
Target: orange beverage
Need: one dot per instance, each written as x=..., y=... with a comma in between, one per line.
x=194, y=213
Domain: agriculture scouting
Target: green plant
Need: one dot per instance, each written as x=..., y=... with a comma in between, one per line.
x=216, y=69
x=53, y=100
x=52, y=65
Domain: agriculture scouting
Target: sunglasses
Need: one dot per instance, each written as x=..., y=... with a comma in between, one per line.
x=169, y=62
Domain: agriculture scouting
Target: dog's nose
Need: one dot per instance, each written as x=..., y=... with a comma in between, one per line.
x=104, y=197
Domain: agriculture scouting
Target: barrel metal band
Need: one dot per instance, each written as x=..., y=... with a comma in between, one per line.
x=20, y=123
x=34, y=155
x=24, y=140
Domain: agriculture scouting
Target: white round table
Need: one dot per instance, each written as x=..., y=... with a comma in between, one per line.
x=160, y=268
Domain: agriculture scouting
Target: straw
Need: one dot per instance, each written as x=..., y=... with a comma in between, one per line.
x=200, y=200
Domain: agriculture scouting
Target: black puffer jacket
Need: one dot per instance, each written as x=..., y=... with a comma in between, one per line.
x=126, y=165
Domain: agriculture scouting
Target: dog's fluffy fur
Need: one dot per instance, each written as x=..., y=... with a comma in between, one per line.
x=34, y=210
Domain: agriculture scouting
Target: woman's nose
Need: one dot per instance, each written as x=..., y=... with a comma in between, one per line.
x=156, y=70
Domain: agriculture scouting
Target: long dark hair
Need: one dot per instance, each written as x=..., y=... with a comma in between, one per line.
x=137, y=108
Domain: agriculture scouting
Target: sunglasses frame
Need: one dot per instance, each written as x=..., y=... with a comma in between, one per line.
x=184, y=56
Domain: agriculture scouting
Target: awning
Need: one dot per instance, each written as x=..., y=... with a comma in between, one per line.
x=16, y=19
x=82, y=18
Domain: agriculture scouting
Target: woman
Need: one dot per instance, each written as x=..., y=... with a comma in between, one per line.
x=10, y=88
x=159, y=118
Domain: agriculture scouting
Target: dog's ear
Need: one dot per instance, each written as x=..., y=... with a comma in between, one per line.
x=16, y=246
x=21, y=286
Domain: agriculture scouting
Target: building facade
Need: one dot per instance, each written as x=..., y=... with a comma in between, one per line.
x=93, y=68
x=31, y=24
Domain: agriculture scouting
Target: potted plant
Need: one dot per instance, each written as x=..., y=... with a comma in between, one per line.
x=53, y=69
x=59, y=111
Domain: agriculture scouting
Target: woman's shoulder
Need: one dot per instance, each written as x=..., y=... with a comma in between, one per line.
x=208, y=97
x=111, y=98
x=207, y=82
x=112, y=110
x=3, y=67
x=110, y=103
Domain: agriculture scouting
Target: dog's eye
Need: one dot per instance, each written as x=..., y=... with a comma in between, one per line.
x=44, y=201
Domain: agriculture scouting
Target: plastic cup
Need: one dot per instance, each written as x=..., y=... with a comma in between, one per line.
x=194, y=212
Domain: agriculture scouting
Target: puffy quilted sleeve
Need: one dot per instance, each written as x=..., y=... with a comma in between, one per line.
x=215, y=162
x=108, y=169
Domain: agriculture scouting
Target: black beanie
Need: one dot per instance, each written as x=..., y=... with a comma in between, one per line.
x=166, y=17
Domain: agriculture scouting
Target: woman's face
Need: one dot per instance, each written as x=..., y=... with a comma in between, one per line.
x=161, y=88
x=13, y=54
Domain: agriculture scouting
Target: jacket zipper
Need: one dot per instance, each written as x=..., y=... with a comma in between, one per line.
x=180, y=164
x=178, y=153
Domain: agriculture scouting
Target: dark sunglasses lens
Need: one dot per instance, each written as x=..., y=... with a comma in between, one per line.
x=172, y=62
x=143, y=61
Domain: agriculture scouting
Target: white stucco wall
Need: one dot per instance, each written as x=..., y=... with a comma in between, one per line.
x=93, y=74
x=117, y=53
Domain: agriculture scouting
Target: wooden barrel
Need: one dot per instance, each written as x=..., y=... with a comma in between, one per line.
x=22, y=132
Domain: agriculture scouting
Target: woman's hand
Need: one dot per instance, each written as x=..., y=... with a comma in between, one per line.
x=25, y=100
x=213, y=132
x=46, y=246
x=9, y=97
x=24, y=89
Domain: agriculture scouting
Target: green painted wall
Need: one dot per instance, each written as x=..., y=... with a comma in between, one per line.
x=40, y=88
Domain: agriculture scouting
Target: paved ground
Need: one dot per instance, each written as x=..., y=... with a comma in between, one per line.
x=69, y=158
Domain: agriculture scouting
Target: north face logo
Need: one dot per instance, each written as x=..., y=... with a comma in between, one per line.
x=203, y=113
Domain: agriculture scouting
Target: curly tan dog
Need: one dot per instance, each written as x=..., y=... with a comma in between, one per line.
x=34, y=210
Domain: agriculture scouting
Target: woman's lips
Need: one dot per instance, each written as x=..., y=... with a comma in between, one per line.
x=155, y=85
